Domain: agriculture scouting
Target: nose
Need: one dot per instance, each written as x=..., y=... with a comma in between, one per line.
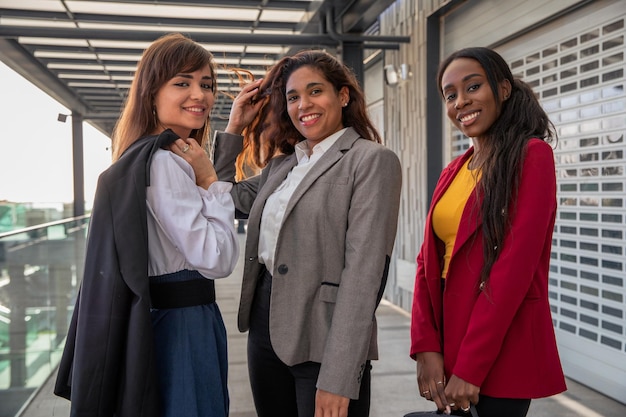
x=461, y=101
x=303, y=103
x=197, y=92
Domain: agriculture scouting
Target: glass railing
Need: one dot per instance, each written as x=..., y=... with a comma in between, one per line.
x=40, y=269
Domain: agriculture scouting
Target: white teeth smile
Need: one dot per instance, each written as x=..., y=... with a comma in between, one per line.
x=468, y=117
x=309, y=117
x=195, y=109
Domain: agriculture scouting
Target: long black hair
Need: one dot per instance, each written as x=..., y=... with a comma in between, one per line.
x=521, y=119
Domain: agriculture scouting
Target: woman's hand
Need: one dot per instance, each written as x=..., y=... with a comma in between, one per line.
x=244, y=109
x=461, y=393
x=192, y=152
x=431, y=379
x=328, y=404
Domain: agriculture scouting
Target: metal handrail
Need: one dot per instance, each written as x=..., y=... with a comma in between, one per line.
x=44, y=225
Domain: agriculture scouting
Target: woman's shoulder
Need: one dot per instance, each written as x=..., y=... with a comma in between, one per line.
x=537, y=147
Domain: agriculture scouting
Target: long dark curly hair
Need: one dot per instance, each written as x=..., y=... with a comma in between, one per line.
x=272, y=132
x=521, y=119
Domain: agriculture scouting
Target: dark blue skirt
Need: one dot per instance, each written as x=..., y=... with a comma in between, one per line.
x=191, y=357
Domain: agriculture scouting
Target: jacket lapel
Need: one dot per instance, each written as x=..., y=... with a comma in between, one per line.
x=330, y=158
x=470, y=221
x=275, y=178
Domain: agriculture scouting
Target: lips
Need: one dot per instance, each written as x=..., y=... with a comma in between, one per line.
x=468, y=117
x=309, y=118
x=199, y=110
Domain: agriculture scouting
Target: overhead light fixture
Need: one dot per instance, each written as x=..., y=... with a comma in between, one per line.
x=62, y=117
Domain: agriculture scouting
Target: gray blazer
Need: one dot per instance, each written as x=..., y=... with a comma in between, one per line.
x=332, y=254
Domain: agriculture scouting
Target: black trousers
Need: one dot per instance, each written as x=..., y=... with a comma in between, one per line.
x=279, y=390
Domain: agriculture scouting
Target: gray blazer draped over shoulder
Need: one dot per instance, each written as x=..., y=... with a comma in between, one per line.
x=332, y=254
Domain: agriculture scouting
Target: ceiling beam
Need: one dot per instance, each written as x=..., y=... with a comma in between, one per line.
x=20, y=61
x=151, y=35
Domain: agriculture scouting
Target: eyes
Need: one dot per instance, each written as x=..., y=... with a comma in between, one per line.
x=451, y=95
x=292, y=98
x=204, y=84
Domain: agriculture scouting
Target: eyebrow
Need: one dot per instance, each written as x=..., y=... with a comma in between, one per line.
x=467, y=77
x=204, y=77
x=309, y=85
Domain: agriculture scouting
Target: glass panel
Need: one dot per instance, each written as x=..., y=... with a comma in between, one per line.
x=613, y=43
x=569, y=73
x=589, y=320
x=592, y=276
x=550, y=51
x=614, y=250
x=569, y=44
x=612, y=186
x=612, y=202
x=588, y=82
x=613, y=75
x=589, y=51
x=589, y=142
x=533, y=70
x=549, y=79
x=532, y=58
x=588, y=334
x=592, y=247
x=569, y=87
x=516, y=64
x=589, y=187
x=566, y=59
x=611, y=218
x=586, y=37
x=613, y=59
x=611, y=342
x=40, y=270
x=589, y=217
x=590, y=66
x=612, y=27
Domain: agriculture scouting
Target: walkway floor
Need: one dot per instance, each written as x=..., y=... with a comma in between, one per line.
x=394, y=388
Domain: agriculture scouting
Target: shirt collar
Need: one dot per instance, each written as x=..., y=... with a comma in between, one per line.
x=303, y=151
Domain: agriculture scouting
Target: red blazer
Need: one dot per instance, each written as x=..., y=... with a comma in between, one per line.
x=502, y=339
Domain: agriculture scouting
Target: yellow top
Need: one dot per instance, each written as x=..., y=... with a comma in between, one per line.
x=449, y=209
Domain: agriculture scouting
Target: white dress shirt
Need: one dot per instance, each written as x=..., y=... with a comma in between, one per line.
x=276, y=204
x=188, y=227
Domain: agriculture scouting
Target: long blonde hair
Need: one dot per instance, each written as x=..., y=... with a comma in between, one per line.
x=169, y=55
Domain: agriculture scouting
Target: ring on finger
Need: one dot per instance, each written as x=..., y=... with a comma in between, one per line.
x=185, y=148
x=452, y=404
x=425, y=392
x=465, y=410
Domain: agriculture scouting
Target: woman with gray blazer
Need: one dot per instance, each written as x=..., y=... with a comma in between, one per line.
x=322, y=220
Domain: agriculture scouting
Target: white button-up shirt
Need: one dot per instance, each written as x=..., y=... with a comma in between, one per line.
x=276, y=204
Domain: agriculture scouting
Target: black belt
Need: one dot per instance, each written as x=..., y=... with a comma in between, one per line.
x=182, y=294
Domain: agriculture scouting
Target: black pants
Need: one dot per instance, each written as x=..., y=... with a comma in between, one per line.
x=499, y=407
x=279, y=390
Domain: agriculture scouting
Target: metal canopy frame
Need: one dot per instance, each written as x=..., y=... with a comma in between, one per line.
x=84, y=53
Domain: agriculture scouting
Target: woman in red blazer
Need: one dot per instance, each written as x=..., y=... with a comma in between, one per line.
x=481, y=328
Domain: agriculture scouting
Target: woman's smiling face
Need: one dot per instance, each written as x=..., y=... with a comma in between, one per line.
x=313, y=104
x=470, y=102
x=184, y=102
